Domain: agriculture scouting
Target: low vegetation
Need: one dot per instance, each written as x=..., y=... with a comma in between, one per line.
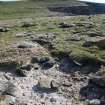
x=36, y=32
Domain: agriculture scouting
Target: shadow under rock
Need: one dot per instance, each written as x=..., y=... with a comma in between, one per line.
x=40, y=90
x=11, y=71
x=92, y=91
x=69, y=66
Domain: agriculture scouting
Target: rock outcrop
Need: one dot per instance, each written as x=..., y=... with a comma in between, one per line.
x=81, y=9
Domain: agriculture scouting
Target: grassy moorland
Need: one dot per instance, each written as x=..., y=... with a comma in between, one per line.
x=38, y=11
x=37, y=41
x=35, y=8
x=72, y=48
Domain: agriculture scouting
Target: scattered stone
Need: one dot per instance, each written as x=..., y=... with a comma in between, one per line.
x=43, y=59
x=39, y=59
x=22, y=104
x=88, y=44
x=54, y=85
x=42, y=103
x=7, y=76
x=53, y=100
x=20, y=72
x=24, y=34
x=66, y=25
x=10, y=100
x=66, y=84
x=101, y=42
x=34, y=60
x=23, y=70
x=6, y=88
x=48, y=64
x=44, y=62
x=45, y=40
x=27, y=24
x=94, y=102
x=93, y=33
x=98, y=41
x=42, y=40
x=86, y=24
x=47, y=83
x=4, y=29
x=75, y=37
x=27, y=67
x=26, y=45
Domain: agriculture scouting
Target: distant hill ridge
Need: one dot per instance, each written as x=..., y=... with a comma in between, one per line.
x=43, y=8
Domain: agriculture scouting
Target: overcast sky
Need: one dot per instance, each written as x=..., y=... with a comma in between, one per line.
x=9, y=0
x=98, y=1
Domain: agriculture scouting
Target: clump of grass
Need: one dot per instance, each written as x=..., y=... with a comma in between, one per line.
x=101, y=72
x=19, y=71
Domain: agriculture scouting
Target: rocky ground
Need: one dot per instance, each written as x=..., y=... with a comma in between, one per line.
x=53, y=61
